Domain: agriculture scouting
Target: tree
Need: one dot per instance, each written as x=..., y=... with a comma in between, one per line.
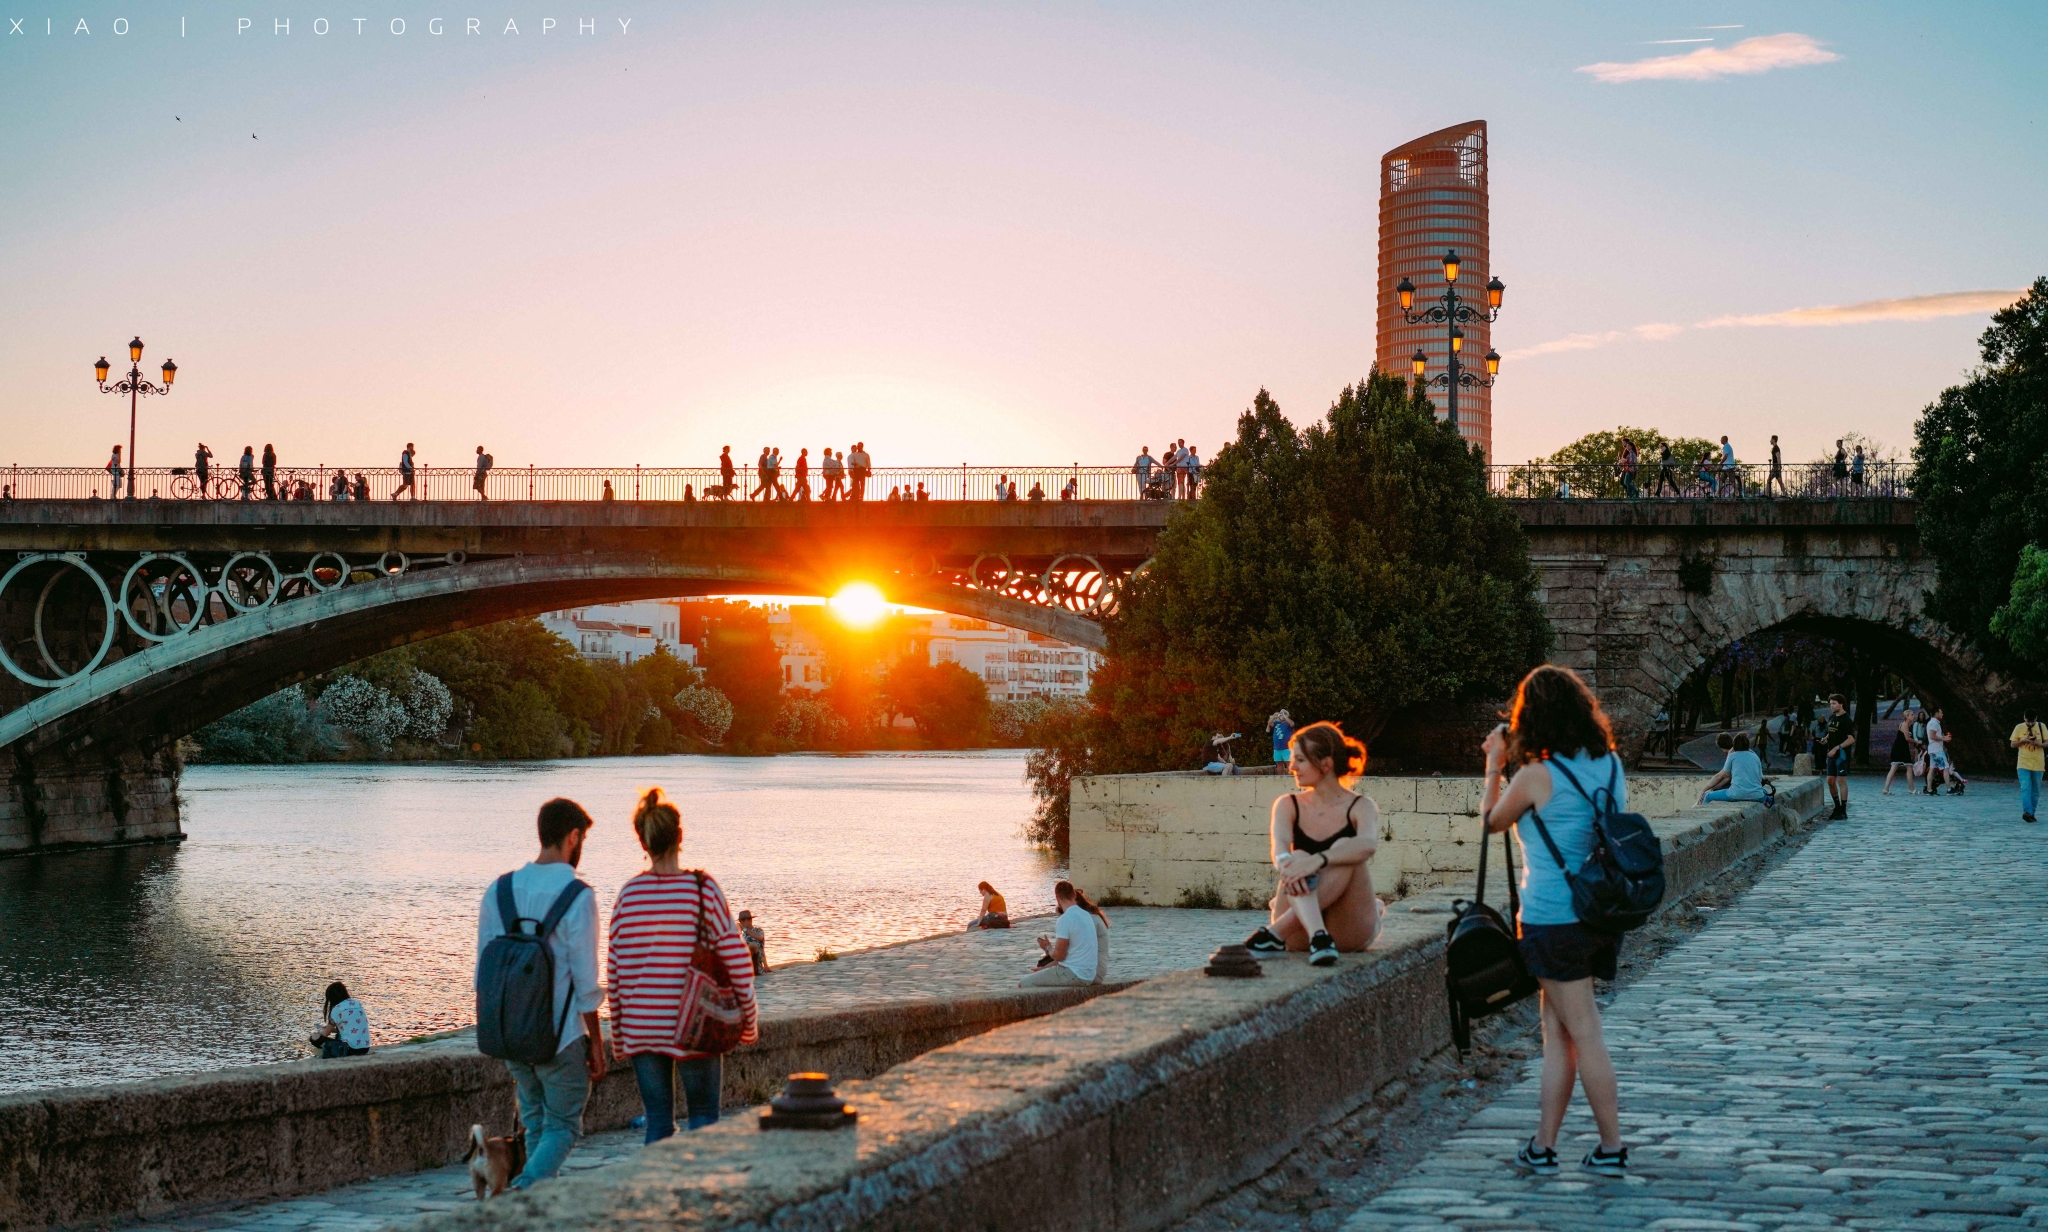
x=1060, y=734
x=1590, y=463
x=741, y=661
x=2022, y=623
x=1347, y=571
x=1982, y=491
x=948, y=703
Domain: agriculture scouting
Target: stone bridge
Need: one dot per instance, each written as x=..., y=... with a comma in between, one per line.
x=126, y=625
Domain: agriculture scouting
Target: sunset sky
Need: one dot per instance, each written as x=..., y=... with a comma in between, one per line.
x=999, y=234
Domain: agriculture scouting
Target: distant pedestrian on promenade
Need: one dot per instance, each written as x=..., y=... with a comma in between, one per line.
x=664, y=921
x=1938, y=759
x=1002, y=487
x=1741, y=776
x=923, y=496
x=1856, y=472
x=1665, y=466
x=269, y=472
x=1076, y=946
x=1070, y=491
x=556, y=913
x=246, y=471
x=761, y=488
x=725, y=474
x=2030, y=738
x=1142, y=468
x=1904, y=756
x=1323, y=837
x=1191, y=462
x=114, y=473
x=1777, y=475
x=484, y=462
x=1560, y=747
x=757, y=942
x=405, y=474
x=802, y=491
x=1841, y=468
x=995, y=911
x=833, y=468
x=1731, y=475
x=607, y=496
x=1836, y=746
x=1630, y=457
x=1281, y=725
x=202, y=468
x=362, y=487
x=344, y=1027
x=859, y=466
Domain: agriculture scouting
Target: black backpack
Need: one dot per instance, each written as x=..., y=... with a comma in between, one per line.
x=1483, y=969
x=515, y=983
x=1622, y=880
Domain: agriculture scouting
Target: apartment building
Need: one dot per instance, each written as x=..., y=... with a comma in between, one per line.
x=621, y=633
x=1012, y=663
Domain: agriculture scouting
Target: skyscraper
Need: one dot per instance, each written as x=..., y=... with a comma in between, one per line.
x=1433, y=197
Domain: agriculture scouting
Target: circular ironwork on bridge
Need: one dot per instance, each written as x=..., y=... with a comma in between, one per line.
x=456, y=557
x=388, y=569
x=1077, y=590
x=314, y=570
x=239, y=581
x=42, y=645
x=160, y=605
x=1003, y=580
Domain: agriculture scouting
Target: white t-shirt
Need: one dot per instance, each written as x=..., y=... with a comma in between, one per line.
x=1937, y=752
x=350, y=1023
x=1078, y=927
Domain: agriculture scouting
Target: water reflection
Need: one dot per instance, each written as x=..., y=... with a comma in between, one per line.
x=143, y=961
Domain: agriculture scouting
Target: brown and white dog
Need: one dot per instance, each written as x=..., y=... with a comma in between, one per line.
x=493, y=1162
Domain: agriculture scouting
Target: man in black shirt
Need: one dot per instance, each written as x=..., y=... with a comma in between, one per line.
x=1836, y=746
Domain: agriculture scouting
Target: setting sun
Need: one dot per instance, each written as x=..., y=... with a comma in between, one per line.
x=859, y=604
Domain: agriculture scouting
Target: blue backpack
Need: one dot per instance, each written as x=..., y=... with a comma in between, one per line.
x=1622, y=880
x=515, y=983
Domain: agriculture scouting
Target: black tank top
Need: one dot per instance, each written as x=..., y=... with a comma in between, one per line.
x=1317, y=846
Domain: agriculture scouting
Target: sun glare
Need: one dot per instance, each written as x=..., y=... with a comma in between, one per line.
x=859, y=604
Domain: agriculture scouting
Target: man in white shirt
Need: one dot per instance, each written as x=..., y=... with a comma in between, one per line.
x=858, y=464
x=1073, y=946
x=552, y=1093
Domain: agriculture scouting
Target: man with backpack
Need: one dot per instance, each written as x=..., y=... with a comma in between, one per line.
x=537, y=988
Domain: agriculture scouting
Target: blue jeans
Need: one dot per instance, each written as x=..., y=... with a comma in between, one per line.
x=1728, y=793
x=551, y=1099
x=657, y=1072
x=2030, y=791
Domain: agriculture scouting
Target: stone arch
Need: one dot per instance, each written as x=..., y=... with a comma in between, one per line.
x=148, y=699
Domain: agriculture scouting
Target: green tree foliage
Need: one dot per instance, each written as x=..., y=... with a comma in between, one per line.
x=1590, y=464
x=1982, y=489
x=948, y=703
x=1061, y=735
x=741, y=661
x=282, y=728
x=1346, y=572
x=2022, y=623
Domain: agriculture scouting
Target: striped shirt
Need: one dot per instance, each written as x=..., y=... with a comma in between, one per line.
x=653, y=933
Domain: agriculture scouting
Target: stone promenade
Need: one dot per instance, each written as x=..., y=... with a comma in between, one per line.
x=1861, y=1041
x=1144, y=941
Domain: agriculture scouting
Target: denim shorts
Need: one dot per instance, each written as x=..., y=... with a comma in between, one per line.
x=1567, y=952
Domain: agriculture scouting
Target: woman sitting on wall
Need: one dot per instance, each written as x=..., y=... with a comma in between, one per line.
x=1324, y=837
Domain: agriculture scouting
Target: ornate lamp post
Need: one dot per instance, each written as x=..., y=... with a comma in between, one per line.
x=1451, y=311
x=134, y=386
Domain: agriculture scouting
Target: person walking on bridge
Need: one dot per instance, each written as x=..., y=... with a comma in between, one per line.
x=1665, y=476
x=246, y=471
x=483, y=471
x=859, y=466
x=761, y=489
x=269, y=472
x=725, y=473
x=834, y=470
x=1626, y=464
x=802, y=491
x=405, y=474
x=1777, y=475
x=114, y=473
x=1731, y=475
x=202, y=468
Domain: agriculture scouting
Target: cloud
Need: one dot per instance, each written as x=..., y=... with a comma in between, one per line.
x=1912, y=308
x=1746, y=58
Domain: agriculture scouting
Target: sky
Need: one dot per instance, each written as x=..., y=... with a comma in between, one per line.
x=1002, y=234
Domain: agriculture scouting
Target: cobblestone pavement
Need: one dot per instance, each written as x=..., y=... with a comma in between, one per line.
x=1144, y=941
x=1861, y=1041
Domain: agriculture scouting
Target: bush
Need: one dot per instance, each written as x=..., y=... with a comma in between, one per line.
x=1059, y=738
x=806, y=722
x=948, y=703
x=283, y=728
x=706, y=713
x=1009, y=720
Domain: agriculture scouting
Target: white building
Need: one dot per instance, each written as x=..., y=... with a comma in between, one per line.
x=1012, y=663
x=621, y=633
x=802, y=650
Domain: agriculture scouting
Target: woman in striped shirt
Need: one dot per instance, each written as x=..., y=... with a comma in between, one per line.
x=653, y=934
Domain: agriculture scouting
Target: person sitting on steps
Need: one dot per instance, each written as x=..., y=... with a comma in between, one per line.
x=1324, y=837
x=1077, y=950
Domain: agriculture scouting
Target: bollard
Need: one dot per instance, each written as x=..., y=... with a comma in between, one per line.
x=808, y=1102
x=1233, y=962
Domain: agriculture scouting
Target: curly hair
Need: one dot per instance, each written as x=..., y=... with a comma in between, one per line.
x=1326, y=741
x=1554, y=712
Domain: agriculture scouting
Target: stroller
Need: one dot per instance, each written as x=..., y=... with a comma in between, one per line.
x=1160, y=485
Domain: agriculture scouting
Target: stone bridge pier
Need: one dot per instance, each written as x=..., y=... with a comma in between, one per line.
x=1641, y=594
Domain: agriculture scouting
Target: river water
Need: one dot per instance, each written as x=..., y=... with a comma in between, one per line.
x=141, y=961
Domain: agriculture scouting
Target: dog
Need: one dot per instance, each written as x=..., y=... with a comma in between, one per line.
x=493, y=1162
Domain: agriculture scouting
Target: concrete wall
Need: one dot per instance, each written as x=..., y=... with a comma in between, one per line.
x=1125, y=1113
x=1154, y=837
x=264, y=1131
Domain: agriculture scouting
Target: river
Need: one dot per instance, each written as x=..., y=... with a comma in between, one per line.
x=141, y=961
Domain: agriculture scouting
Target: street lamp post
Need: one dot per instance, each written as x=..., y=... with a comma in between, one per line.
x=1451, y=311
x=134, y=386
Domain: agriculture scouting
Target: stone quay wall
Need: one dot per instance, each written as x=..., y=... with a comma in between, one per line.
x=1127, y=1112
x=143, y=1149
x=133, y=800
x=1156, y=838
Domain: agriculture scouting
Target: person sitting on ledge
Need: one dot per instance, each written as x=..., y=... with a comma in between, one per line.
x=1077, y=950
x=344, y=1027
x=1324, y=837
x=995, y=913
x=1741, y=776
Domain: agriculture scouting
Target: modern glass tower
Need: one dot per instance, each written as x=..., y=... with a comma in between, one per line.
x=1433, y=197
